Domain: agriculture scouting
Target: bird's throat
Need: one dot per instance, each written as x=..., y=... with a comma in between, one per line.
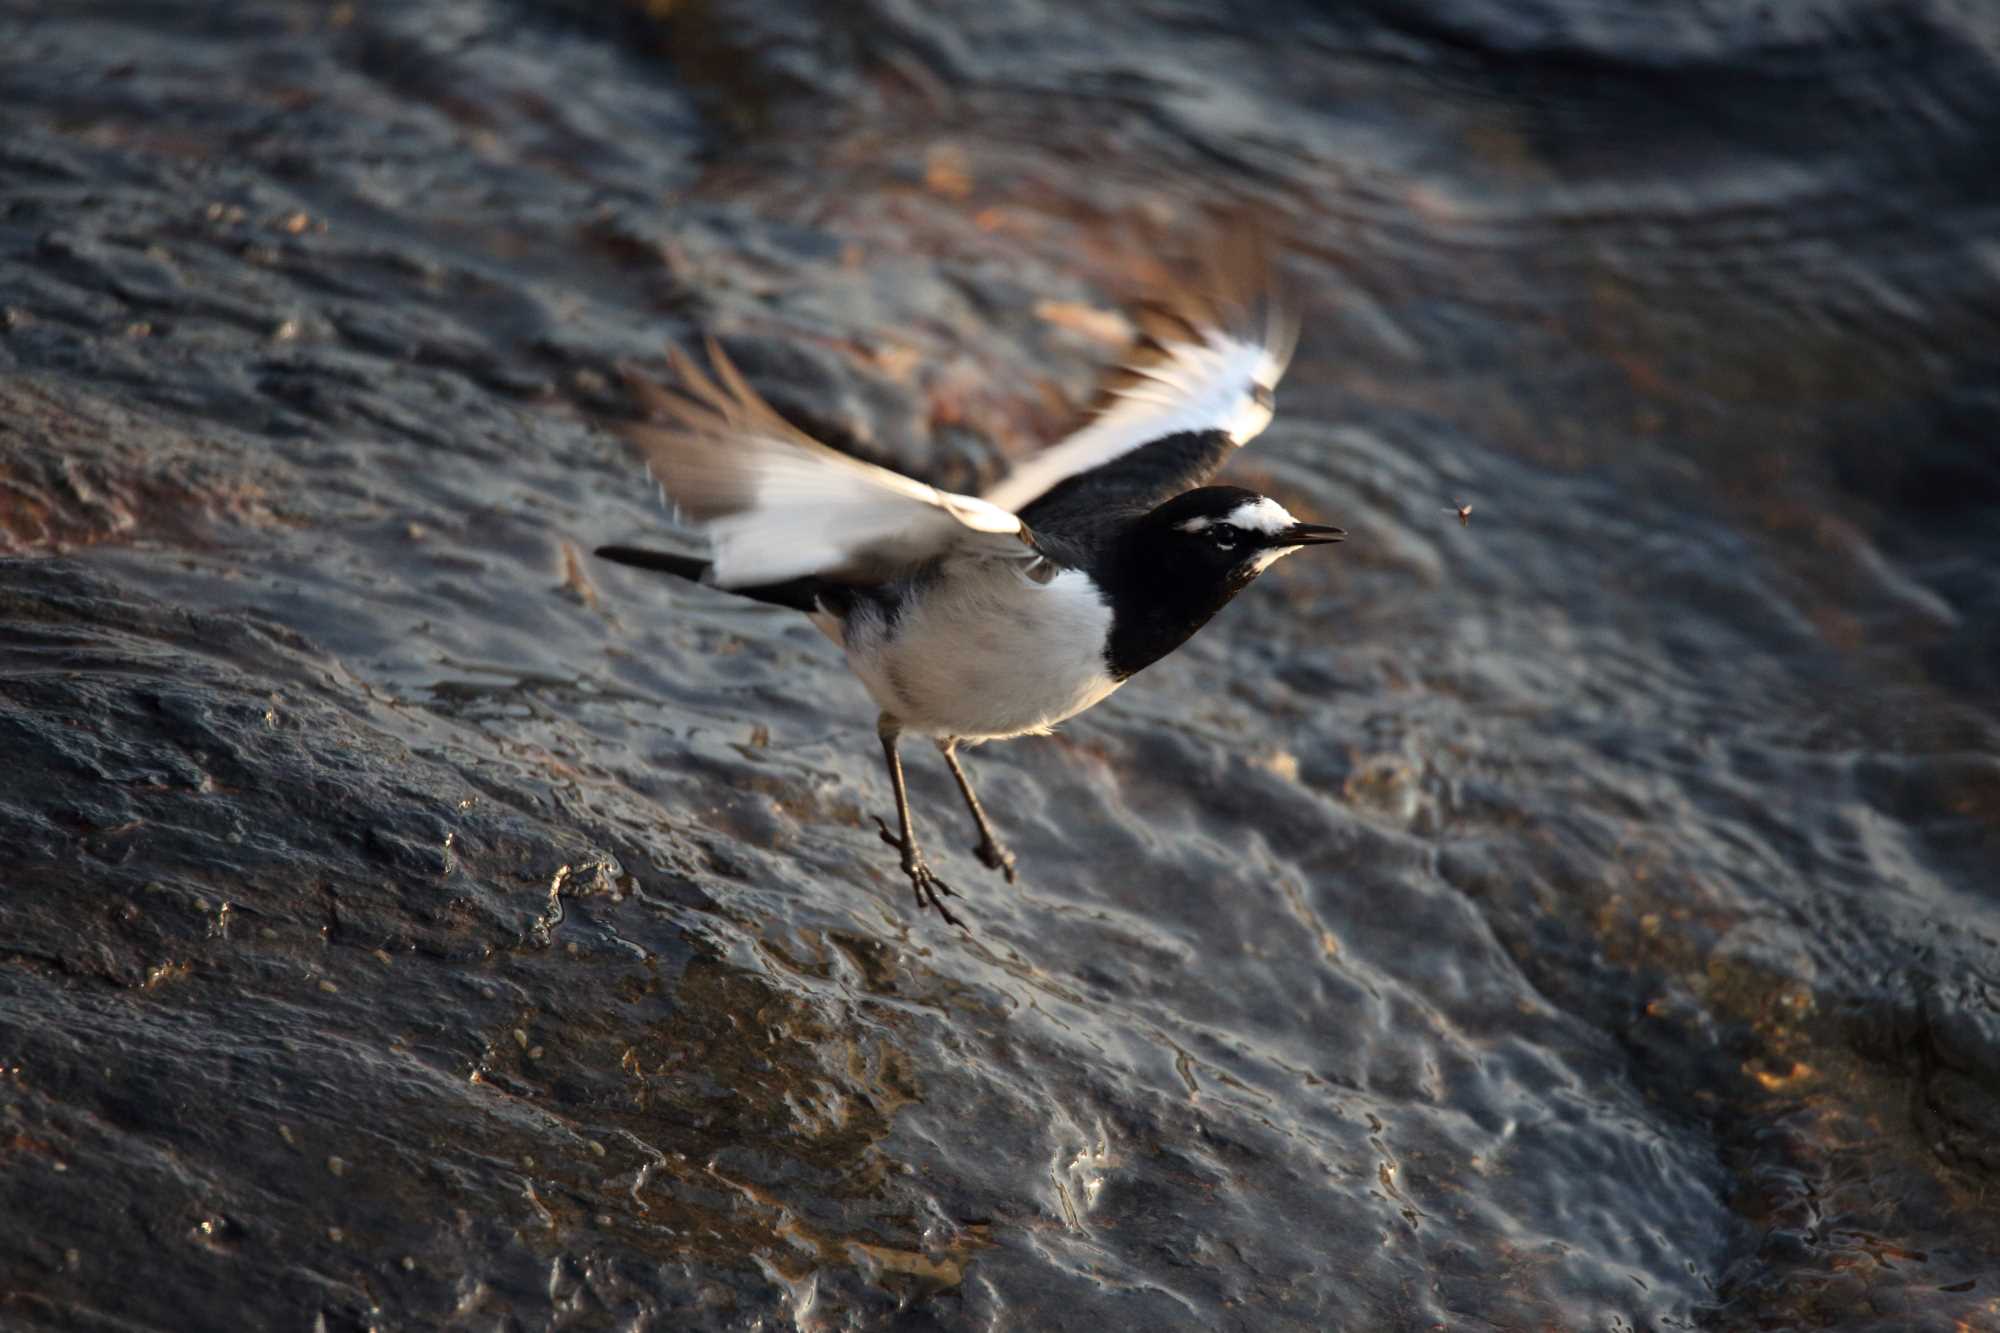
x=1154, y=612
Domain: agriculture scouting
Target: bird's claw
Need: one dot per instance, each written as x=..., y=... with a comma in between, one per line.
x=995, y=857
x=928, y=887
x=887, y=836
x=930, y=890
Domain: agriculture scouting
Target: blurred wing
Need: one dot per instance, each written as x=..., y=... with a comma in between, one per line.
x=778, y=504
x=1215, y=369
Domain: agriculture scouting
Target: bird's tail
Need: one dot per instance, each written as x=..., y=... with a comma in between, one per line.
x=798, y=594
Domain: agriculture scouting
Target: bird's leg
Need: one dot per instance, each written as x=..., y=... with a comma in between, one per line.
x=927, y=885
x=989, y=850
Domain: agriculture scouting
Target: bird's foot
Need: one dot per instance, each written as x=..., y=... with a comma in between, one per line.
x=995, y=857
x=931, y=891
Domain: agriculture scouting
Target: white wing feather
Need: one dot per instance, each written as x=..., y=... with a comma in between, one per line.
x=778, y=504
x=1231, y=339
x=1221, y=383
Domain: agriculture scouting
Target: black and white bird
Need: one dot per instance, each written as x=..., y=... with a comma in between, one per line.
x=974, y=619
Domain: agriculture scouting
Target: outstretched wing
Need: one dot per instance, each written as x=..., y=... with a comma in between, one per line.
x=778, y=504
x=1219, y=353
x=1076, y=510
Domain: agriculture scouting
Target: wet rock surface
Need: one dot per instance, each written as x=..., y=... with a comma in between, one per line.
x=1580, y=918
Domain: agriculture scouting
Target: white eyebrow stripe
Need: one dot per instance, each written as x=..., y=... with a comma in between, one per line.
x=1263, y=515
x=1196, y=525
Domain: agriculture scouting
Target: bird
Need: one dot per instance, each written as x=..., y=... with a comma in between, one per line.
x=968, y=618
x=1463, y=510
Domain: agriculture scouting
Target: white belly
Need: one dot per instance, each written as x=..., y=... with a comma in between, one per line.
x=987, y=653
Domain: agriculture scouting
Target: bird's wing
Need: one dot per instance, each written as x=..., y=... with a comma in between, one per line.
x=778, y=504
x=1219, y=351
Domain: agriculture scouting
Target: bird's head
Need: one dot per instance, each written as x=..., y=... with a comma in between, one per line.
x=1225, y=536
x=1183, y=561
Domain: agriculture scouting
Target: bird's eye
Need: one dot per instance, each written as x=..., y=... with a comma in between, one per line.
x=1224, y=535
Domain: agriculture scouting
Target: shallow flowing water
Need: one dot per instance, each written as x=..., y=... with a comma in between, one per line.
x=1580, y=917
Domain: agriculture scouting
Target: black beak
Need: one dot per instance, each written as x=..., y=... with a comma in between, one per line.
x=1307, y=534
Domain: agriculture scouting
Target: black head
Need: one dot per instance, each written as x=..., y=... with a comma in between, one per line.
x=1182, y=562
x=1226, y=535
